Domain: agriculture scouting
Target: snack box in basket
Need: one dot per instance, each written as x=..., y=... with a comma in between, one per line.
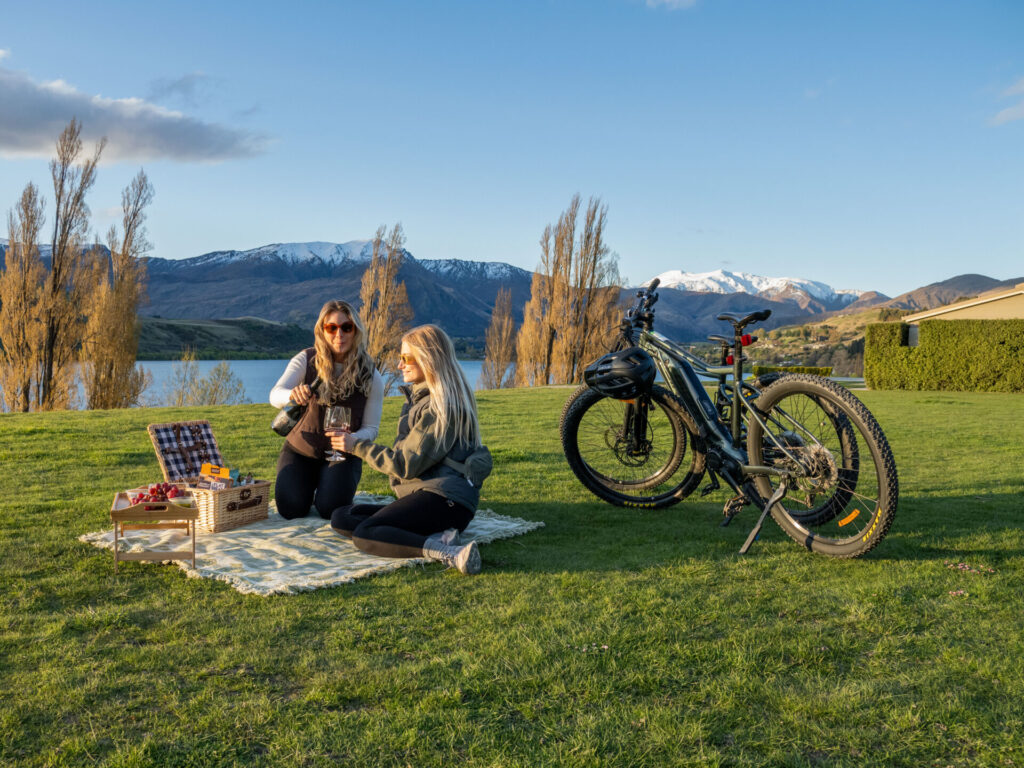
x=182, y=448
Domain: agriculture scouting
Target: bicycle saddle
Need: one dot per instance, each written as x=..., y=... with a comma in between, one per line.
x=753, y=317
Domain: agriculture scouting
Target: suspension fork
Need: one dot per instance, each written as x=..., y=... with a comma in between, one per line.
x=639, y=406
x=634, y=424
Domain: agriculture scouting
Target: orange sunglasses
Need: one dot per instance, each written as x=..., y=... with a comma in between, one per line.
x=332, y=328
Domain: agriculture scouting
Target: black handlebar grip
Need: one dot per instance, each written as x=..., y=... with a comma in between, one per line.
x=654, y=284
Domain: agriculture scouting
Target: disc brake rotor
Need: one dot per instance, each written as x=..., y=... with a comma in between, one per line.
x=626, y=451
x=818, y=472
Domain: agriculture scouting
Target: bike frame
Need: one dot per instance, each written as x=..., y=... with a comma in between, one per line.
x=727, y=456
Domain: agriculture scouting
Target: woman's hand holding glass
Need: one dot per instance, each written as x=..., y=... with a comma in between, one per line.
x=343, y=441
x=337, y=422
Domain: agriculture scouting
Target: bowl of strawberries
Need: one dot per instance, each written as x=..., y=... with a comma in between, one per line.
x=161, y=492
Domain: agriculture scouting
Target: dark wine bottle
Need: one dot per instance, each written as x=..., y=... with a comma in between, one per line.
x=289, y=416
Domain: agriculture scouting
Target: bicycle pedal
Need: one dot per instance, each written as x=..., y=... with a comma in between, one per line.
x=733, y=507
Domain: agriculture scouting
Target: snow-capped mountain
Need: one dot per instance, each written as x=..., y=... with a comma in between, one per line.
x=805, y=293
x=357, y=252
x=485, y=270
x=330, y=254
x=291, y=281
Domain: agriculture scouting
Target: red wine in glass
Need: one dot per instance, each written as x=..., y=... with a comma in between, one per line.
x=337, y=419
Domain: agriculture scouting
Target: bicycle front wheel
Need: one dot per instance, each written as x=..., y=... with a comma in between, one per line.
x=640, y=453
x=844, y=488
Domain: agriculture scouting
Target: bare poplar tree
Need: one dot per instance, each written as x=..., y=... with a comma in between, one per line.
x=536, y=340
x=21, y=283
x=531, y=341
x=590, y=277
x=111, y=341
x=385, y=311
x=186, y=387
x=500, y=348
x=573, y=295
x=220, y=387
x=182, y=388
x=64, y=289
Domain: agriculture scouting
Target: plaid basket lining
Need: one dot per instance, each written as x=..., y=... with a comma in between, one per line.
x=183, y=459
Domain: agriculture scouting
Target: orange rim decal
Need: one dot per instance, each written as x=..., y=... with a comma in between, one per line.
x=849, y=518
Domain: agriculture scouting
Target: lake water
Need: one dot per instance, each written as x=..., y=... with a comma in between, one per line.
x=257, y=376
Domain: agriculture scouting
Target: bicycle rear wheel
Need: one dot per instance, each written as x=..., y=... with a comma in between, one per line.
x=653, y=465
x=844, y=488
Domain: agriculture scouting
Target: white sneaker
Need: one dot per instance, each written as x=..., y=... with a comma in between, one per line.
x=451, y=537
x=467, y=559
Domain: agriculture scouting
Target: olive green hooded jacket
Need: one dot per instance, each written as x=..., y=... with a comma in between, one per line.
x=414, y=461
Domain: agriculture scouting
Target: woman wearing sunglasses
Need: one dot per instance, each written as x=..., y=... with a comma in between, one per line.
x=348, y=378
x=435, y=502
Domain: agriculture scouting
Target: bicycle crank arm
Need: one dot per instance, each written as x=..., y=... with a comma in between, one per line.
x=712, y=486
x=775, y=499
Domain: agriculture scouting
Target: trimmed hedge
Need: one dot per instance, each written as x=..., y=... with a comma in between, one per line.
x=958, y=355
x=817, y=370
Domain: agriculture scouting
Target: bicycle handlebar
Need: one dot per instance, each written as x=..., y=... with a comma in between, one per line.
x=640, y=313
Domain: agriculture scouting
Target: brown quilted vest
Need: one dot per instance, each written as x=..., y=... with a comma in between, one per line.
x=308, y=436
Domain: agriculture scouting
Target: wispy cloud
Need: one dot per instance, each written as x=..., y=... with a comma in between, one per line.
x=1015, y=89
x=34, y=114
x=1016, y=112
x=1009, y=114
x=4, y=53
x=672, y=5
x=190, y=89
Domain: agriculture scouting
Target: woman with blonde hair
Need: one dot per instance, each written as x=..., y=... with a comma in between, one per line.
x=347, y=377
x=435, y=501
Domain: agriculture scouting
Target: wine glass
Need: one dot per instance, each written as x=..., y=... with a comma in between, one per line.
x=337, y=419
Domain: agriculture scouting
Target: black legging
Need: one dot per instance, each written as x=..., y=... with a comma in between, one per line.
x=400, y=528
x=300, y=477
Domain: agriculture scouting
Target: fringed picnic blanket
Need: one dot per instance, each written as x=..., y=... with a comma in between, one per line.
x=278, y=556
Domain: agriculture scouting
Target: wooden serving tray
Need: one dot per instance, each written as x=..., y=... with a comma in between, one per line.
x=150, y=515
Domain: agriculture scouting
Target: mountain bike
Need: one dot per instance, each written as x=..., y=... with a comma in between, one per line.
x=798, y=447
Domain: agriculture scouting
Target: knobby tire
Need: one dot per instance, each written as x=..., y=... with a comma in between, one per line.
x=600, y=455
x=845, y=489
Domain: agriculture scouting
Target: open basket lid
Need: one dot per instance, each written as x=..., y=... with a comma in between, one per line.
x=182, y=447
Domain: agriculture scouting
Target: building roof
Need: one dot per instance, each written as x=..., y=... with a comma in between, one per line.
x=985, y=298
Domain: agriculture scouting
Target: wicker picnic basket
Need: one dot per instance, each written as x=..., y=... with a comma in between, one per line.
x=181, y=448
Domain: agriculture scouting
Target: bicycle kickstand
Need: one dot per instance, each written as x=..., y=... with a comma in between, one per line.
x=772, y=501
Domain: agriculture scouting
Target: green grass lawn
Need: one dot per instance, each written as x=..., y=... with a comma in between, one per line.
x=609, y=637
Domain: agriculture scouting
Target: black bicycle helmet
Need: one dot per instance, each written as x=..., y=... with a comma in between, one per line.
x=622, y=375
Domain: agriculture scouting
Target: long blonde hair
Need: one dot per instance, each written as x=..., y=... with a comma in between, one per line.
x=451, y=396
x=357, y=367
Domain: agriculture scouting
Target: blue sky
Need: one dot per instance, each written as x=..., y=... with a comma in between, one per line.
x=871, y=145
